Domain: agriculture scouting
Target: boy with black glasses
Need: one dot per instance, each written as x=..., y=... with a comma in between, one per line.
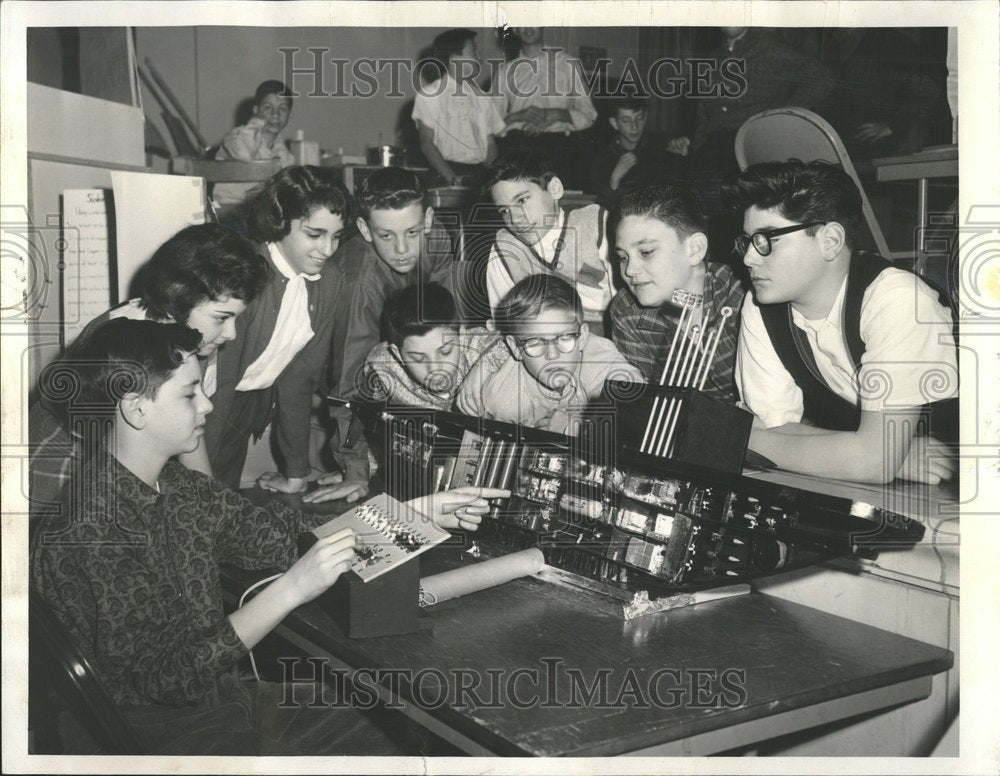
x=548, y=367
x=841, y=356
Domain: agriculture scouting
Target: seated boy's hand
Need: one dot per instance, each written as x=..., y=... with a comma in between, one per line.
x=679, y=145
x=458, y=508
x=350, y=491
x=274, y=481
x=625, y=163
x=321, y=566
x=928, y=461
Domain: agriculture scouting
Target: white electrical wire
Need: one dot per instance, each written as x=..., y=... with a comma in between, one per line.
x=243, y=598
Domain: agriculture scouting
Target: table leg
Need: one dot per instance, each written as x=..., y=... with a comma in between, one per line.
x=922, y=187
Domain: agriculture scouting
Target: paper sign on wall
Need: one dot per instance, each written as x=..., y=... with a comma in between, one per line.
x=86, y=274
x=149, y=209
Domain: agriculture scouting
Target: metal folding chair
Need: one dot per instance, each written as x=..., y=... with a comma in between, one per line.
x=796, y=133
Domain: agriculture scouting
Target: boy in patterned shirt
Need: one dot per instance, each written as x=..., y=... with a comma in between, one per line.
x=661, y=243
x=426, y=355
x=130, y=567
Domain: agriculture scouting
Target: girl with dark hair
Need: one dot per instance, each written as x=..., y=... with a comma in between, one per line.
x=270, y=373
x=204, y=276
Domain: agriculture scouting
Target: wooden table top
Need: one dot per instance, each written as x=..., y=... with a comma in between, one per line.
x=784, y=657
x=933, y=162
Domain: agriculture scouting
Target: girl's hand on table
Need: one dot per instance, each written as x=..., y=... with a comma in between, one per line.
x=273, y=481
x=458, y=508
x=337, y=488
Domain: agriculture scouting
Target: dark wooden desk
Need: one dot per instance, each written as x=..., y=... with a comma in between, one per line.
x=800, y=668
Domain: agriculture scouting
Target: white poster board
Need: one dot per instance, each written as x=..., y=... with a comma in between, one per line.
x=86, y=272
x=149, y=209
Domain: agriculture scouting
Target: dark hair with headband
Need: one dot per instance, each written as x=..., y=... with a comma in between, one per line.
x=291, y=193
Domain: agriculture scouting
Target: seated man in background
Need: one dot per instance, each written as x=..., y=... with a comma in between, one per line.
x=204, y=276
x=548, y=367
x=634, y=158
x=131, y=566
x=836, y=346
x=890, y=90
x=546, y=105
x=399, y=245
x=662, y=245
x=773, y=75
x=540, y=238
x=426, y=354
x=457, y=121
x=259, y=140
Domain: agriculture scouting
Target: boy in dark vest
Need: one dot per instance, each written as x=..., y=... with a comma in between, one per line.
x=843, y=358
x=540, y=238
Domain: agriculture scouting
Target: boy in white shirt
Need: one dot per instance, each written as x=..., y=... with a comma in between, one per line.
x=259, y=140
x=540, y=238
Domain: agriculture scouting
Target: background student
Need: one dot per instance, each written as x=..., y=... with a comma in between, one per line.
x=540, y=238
x=259, y=140
x=426, y=354
x=399, y=245
x=272, y=370
x=633, y=158
x=131, y=567
x=204, y=276
x=774, y=74
x=457, y=121
x=549, y=365
x=546, y=105
x=662, y=245
x=836, y=346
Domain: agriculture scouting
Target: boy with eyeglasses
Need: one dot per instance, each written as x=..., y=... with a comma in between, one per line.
x=548, y=367
x=840, y=353
x=634, y=158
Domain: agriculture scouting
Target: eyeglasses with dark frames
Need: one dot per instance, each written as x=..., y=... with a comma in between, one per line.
x=536, y=346
x=761, y=241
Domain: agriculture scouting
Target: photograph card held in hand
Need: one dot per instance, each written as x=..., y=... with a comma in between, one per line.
x=389, y=533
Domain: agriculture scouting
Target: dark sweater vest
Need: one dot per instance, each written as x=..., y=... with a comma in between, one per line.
x=822, y=407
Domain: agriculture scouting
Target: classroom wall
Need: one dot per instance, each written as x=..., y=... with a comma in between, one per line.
x=212, y=69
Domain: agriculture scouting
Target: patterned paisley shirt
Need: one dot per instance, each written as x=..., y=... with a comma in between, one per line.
x=134, y=575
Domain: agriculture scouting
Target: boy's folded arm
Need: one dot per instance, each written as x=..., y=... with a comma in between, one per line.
x=864, y=455
x=242, y=143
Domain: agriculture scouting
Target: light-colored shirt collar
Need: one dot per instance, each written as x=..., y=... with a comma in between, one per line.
x=282, y=265
x=833, y=318
x=546, y=247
